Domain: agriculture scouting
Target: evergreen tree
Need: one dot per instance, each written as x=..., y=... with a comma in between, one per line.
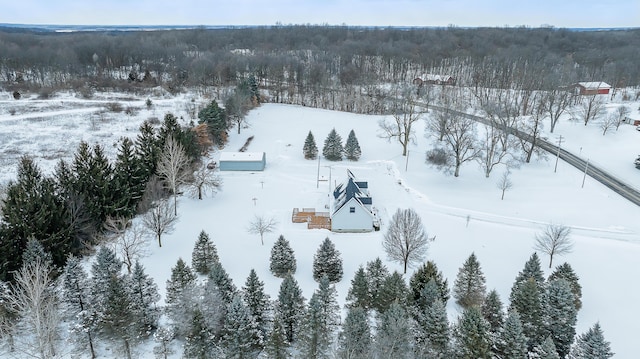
x=76, y=303
x=591, y=345
x=355, y=339
x=257, y=302
x=327, y=262
x=471, y=334
x=94, y=182
x=35, y=251
x=144, y=296
x=204, y=254
x=428, y=295
x=114, y=318
x=147, y=150
x=180, y=298
x=432, y=338
x=216, y=119
x=358, y=294
x=221, y=278
x=129, y=181
x=332, y=149
x=469, y=288
x=512, y=344
x=328, y=299
x=181, y=277
x=253, y=89
x=352, y=147
x=561, y=315
x=315, y=336
x=394, y=290
x=213, y=308
x=277, y=346
x=290, y=307
x=545, y=350
x=282, y=260
x=532, y=269
x=163, y=336
x=394, y=334
x=492, y=311
x=240, y=332
x=422, y=276
x=199, y=342
x=310, y=149
x=565, y=272
x=105, y=267
x=377, y=273
x=528, y=300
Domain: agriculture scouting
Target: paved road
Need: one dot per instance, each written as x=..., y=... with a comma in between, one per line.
x=594, y=172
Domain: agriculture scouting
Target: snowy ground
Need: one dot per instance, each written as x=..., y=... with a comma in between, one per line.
x=605, y=226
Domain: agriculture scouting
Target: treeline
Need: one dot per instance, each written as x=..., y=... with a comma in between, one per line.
x=296, y=61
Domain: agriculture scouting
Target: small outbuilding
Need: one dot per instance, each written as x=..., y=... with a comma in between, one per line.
x=593, y=88
x=243, y=161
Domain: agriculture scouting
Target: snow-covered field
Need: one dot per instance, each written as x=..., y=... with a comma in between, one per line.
x=465, y=214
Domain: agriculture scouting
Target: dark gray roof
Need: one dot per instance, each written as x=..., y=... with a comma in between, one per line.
x=352, y=189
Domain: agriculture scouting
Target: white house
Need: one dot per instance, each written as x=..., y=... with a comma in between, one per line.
x=351, y=208
x=242, y=161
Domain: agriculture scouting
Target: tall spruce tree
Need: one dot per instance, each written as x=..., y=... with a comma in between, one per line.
x=377, y=273
x=591, y=345
x=114, y=318
x=216, y=119
x=561, y=315
x=257, y=302
x=394, y=334
x=511, y=343
x=315, y=337
x=106, y=265
x=532, y=269
x=240, y=336
x=327, y=262
x=394, y=290
x=422, y=276
x=527, y=299
x=432, y=336
x=333, y=149
x=564, y=271
x=358, y=294
x=198, y=343
x=144, y=296
x=147, y=150
x=545, y=350
x=213, y=308
x=221, y=278
x=492, y=311
x=277, y=346
x=282, y=260
x=76, y=304
x=472, y=339
x=352, y=147
x=469, y=288
x=290, y=307
x=128, y=180
x=204, y=254
x=310, y=149
x=355, y=339
x=180, y=298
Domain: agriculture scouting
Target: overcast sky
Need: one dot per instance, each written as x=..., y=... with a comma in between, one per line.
x=534, y=13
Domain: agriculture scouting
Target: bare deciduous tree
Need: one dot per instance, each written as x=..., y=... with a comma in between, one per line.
x=622, y=112
x=554, y=240
x=204, y=181
x=160, y=219
x=491, y=150
x=555, y=102
x=406, y=240
x=608, y=122
x=590, y=108
x=532, y=126
x=129, y=239
x=460, y=139
x=261, y=225
x=404, y=116
x=34, y=300
x=172, y=166
x=505, y=184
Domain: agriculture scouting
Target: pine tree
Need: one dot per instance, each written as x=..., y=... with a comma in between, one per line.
x=492, y=311
x=422, y=276
x=282, y=260
x=213, y=308
x=512, y=344
x=221, y=278
x=114, y=318
x=180, y=298
x=147, y=150
x=358, y=294
x=528, y=300
x=290, y=307
x=394, y=334
x=565, y=272
x=33, y=251
x=199, y=342
x=561, y=315
x=276, y=346
x=545, y=350
x=144, y=296
x=352, y=147
x=128, y=181
x=355, y=339
x=163, y=336
x=181, y=277
x=310, y=149
x=105, y=267
x=216, y=119
x=377, y=273
x=394, y=290
x=472, y=339
x=333, y=149
x=257, y=302
x=469, y=288
x=76, y=303
x=428, y=295
x=532, y=269
x=591, y=345
x=204, y=254
x=94, y=182
x=432, y=337
x=240, y=333
x=315, y=337
x=327, y=262
x=328, y=300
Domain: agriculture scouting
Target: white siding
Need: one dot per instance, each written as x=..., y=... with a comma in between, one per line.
x=360, y=220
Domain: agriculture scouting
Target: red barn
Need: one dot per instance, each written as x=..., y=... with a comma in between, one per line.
x=593, y=88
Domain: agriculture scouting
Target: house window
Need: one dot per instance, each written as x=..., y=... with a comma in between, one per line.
x=352, y=209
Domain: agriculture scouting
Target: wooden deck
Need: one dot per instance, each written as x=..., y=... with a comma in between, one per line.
x=314, y=220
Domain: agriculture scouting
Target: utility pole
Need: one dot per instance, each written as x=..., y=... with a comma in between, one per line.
x=318, y=175
x=560, y=139
x=586, y=168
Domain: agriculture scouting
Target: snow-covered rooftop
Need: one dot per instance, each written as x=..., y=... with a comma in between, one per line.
x=594, y=85
x=241, y=156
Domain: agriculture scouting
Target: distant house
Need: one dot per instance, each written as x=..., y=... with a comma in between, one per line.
x=592, y=88
x=351, y=209
x=243, y=161
x=431, y=79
